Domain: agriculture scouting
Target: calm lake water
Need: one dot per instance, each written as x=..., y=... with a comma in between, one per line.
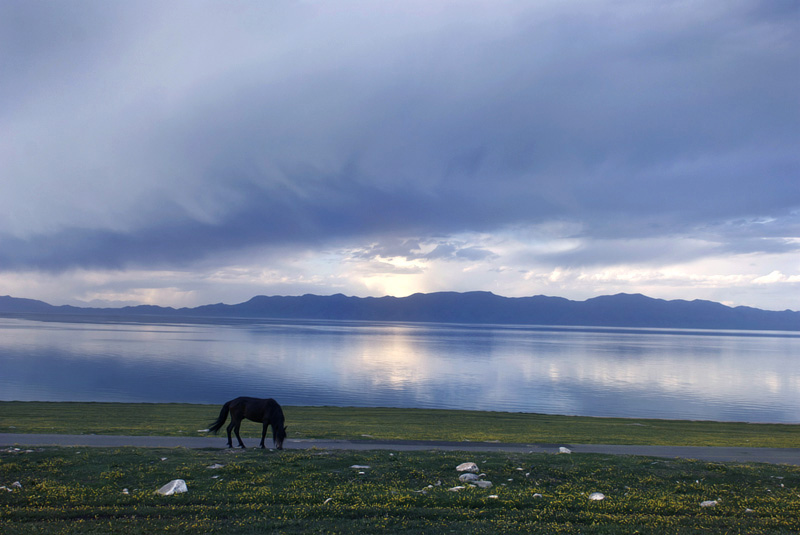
x=706, y=375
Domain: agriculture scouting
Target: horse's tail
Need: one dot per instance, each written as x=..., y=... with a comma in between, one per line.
x=223, y=415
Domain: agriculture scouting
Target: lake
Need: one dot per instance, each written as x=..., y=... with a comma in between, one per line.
x=642, y=373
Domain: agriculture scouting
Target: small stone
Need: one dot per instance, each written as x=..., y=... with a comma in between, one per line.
x=597, y=496
x=537, y=495
x=215, y=466
x=483, y=484
x=562, y=449
x=176, y=486
x=360, y=467
x=709, y=503
x=16, y=485
x=467, y=467
x=468, y=477
x=456, y=489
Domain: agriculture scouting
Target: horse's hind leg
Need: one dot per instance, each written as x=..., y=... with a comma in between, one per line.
x=229, y=429
x=236, y=430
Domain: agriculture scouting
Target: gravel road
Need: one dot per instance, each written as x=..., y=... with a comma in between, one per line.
x=738, y=454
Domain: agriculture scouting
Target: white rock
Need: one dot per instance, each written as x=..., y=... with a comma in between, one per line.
x=709, y=503
x=483, y=484
x=16, y=485
x=597, y=496
x=562, y=449
x=537, y=495
x=202, y=430
x=360, y=467
x=456, y=489
x=493, y=496
x=467, y=467
x=468, y=477
x=125, y=491
x=176, y=486
x=327, y=501
x=214, y=466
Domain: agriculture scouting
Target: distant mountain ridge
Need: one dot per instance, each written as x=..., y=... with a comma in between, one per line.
x=621, y=310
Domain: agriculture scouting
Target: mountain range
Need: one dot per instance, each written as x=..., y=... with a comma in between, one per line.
x=621, y=310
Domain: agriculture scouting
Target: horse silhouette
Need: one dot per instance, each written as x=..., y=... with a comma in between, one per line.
x=265, y=411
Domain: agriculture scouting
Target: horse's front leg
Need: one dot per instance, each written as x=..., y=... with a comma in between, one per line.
x=263, y=435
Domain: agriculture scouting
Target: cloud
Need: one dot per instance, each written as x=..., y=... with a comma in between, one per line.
x=170, y=135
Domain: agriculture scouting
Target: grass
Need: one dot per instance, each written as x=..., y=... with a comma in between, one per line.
x=80, y=490
x=382, y=423
x=112, y=490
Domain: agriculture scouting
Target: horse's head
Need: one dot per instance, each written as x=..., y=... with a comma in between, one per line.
x=279, y=435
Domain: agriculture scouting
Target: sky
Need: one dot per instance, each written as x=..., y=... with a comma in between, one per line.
x=182, y=153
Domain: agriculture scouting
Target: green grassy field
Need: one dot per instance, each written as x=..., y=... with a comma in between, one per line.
x=380, y=423
x=112, y=490
x=95, y=490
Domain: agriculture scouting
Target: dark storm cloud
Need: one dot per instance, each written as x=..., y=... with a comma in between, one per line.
x=165, y=133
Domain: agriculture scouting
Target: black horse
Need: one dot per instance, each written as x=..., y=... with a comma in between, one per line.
x=266, y=411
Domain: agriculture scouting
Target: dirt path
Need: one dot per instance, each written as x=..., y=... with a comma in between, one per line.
x=739, y=454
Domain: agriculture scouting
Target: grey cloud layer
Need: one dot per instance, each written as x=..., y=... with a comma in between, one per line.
x=165, y=134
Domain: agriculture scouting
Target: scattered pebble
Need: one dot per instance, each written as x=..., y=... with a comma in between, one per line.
x=327, y=501
x=456, y=489
x=360, y=467
x=562, y=449
x=176, y=486
x=709, y=503
x=467, y=467
x=597, y=496
x=214, y=466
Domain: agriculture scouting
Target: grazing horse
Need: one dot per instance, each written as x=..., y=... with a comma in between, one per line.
x=266, y=411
